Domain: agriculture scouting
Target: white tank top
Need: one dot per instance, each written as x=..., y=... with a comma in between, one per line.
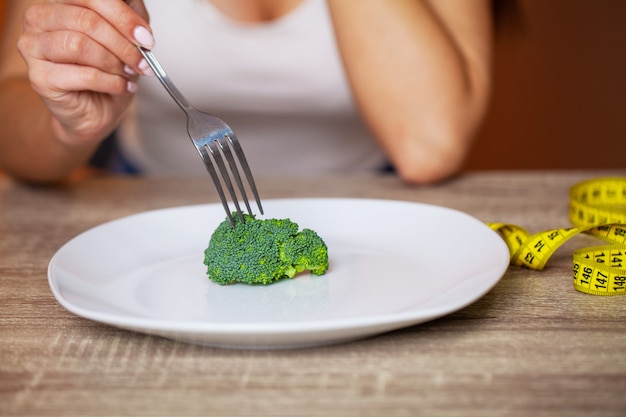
x=280, y=86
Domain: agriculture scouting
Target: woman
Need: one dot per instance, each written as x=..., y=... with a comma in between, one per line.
x=309, y=86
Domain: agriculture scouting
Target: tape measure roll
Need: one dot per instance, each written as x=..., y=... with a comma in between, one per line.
x=598, y=209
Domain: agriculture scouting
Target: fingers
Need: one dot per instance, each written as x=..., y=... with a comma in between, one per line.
x=83, y=61
x=139, y=7
x=55, y=83
x=74, y=62
x=70, y=47
x=128, y=17
x=86, y=35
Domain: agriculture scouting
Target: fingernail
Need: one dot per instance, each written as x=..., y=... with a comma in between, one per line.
x=144, y=37
x=145, y=68
x=131, y=87
x=128, y=70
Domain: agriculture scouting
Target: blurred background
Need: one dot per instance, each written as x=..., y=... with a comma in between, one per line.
x=559, y=97
x=560, y=89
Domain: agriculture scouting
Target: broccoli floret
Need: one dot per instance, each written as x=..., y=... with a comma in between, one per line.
x=262, y=251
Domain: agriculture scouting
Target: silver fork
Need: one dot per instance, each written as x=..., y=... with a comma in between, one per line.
x=215, y=141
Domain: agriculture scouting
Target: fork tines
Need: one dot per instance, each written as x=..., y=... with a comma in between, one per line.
x=213, y=153
x=215, y=141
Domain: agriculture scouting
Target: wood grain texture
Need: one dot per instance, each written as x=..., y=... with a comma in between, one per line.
x=532, y=346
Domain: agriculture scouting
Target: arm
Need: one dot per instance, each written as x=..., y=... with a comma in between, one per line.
x=71, y=85
x=420, y=72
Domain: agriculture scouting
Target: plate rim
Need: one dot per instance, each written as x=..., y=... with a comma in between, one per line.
x=390, y=321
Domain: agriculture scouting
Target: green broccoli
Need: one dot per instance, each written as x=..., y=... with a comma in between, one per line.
x=258, y=251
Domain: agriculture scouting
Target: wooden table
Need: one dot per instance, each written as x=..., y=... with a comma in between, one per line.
x=533, y=346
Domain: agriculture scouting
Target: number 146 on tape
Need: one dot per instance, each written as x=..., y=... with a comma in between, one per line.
x=598, y=270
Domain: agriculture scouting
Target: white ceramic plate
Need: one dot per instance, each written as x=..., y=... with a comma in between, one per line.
x=392, y=264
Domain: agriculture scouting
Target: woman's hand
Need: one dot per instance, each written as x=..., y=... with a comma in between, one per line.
x=72, y=83
x=83, y=62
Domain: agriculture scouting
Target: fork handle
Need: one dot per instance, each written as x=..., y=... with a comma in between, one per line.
x=165, y=79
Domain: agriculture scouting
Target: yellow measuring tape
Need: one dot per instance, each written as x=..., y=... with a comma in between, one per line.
x=597, y=208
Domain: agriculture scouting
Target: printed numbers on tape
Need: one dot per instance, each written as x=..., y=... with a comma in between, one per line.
x=598, y=209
